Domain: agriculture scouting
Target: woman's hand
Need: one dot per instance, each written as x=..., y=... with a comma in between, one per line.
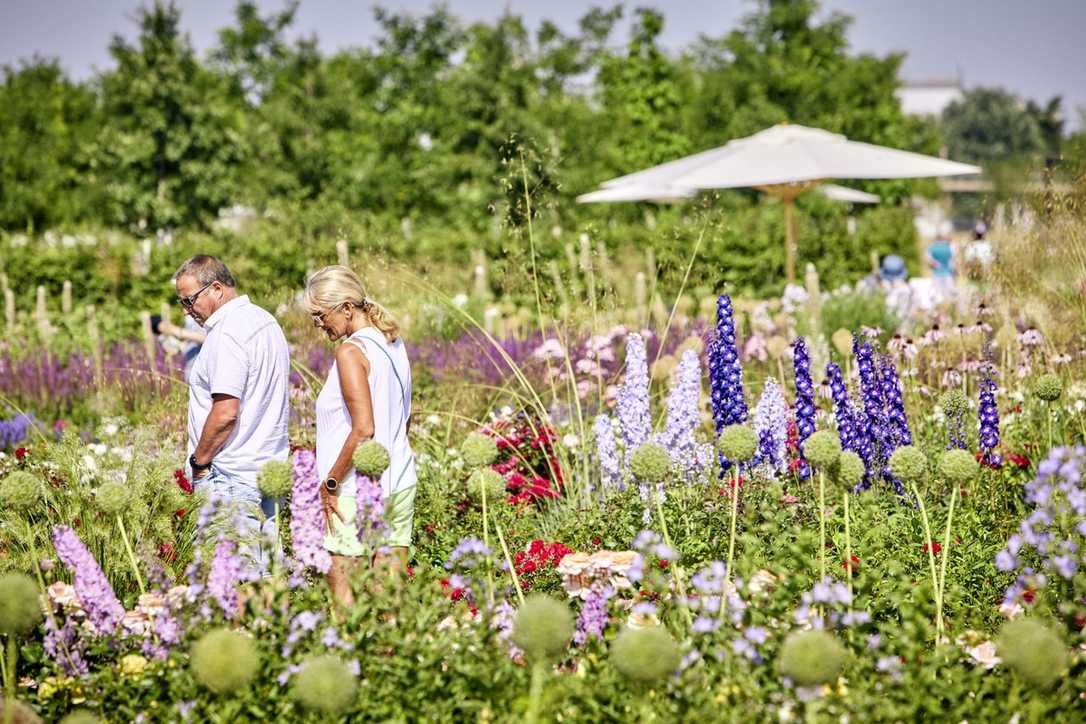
x=330, y=506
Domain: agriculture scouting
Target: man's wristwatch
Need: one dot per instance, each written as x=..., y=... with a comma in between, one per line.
x=331, y=485
x=197, y=467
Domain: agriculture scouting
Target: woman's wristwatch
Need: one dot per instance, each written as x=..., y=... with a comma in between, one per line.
x=331, y=485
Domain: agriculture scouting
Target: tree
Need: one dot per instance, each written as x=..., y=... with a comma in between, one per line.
x=174, y=141
x=46, y=124
x=990, y=125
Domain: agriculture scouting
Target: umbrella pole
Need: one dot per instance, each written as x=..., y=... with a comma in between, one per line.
x=789, y=239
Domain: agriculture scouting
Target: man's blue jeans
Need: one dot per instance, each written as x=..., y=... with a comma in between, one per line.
x=247, y=515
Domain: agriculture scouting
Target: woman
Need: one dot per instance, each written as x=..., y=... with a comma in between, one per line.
x=367, y=396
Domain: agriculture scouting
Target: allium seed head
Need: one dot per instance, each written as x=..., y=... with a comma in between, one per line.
x=958, y=466
x=479, y=450
x=371, y=459
x=224, y=660
x=20, y=712
x=908, y=464
x=274, y=479
x=543, y=627
x=325, y=684
x=487, y=479
x=81, y=716
x=645, y=654
x=823, y=449
x=20, y=490
x=738, y=443
x=954, y=404
x=650, y=463
x=810, y=658
x=113, y=498
x=1033, y=650
x=20, y=607
x=850, y=469
x=1048, y=387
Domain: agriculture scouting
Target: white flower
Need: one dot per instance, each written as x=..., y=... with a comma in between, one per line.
x=433, y=419
x=90, y=463
x=110, y=429
x=460, y=300
x=1011, y=610
x=98, y=448
x=571, y=440
x=984, y=654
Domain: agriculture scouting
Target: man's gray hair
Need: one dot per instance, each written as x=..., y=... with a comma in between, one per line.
x=206, y=269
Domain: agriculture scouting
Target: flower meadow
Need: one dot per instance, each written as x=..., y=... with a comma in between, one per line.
x=733, y=516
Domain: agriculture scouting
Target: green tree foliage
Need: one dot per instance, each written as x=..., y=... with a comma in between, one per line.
x=46, y=124
x=173, y=141
x=991, y=125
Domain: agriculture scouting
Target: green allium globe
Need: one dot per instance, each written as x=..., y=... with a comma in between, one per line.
x=325, y=684
x=955, y=404
x=1048, y=387
x=908, y=464
x=81, y=716
x=542, y=627
x=650, y=463
x=479, y=450
x=274, y=479
x=1034, y=651
x=645, y=654
x=224, y=660
x=113, y=498
x=738, y=443
x=20, y=712
x=371, y=459
x=850, y=469
x=20, y=490
x=810, y=658
x=958, y=466
x=487, y=479
x=822, y=449
x=20, y=604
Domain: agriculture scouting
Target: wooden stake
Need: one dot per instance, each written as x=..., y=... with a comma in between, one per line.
x=342, y=253
x=66, y=297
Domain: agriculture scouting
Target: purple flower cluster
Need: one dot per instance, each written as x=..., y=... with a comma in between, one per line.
x=469, y=555
x=683, y=418
x=104, y=610
x=14, y=430
x=633, y=396
x=870, y=422
x=725, y=372
x=593, y=617
x=222, y=579
x=1051, y=538
x=607, y=450
x=805, y=404
x=989, y=424
x=65, y=647
x=828, y=605
x=307, y=524
x=894, y=423
x=848, y=425
x=369, y=510
x=713, y=591
x=771, y=424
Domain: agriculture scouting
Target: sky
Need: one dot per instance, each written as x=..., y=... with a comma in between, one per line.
x=1034, y=48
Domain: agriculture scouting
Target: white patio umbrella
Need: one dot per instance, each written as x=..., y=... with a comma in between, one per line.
x=637, y=192
x=785, y=161
x=834, y=192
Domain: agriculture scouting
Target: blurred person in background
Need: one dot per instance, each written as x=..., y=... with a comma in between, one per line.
x=190, y=337
x=978, y=253
x=940, y=259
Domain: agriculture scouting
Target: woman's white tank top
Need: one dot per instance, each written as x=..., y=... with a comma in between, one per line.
x=390, y=390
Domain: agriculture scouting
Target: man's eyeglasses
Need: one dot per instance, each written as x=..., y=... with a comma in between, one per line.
x=187, y=302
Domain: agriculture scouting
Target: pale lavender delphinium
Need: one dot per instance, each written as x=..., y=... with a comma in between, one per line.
x=307, y=524
x=369, y=510
x=607, y=449
x=828, y=605
x=633, y=397
x=771, y=424
x=223, y=578
x=683, y=417
x=104, y=610
x=593, y=617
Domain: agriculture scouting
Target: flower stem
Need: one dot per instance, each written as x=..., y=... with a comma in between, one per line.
x=131, y=554
x=9, y=681
x=536, y=693
x=735, y=514
x=676, y=570
x=946, y=551
x=931, y=564
x=822, y=523
x=509, y=562
x=848, y=542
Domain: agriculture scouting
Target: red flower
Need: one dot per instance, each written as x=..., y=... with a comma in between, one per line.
x=1020, y=460
x=662, y=563
x=167, y=553
x=180, y=513
x=935, y=547
x=21, y=453
x=182, y=481
x=596, y=541
x=1029, y=595
x=853, y=564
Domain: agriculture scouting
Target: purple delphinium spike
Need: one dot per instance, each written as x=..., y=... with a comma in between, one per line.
x=955, y=430
x=104, y=610
x=307, y=524
x=683, y=417
x=871, y=425
x=805, y=404
x=593, y=617
x=849, y=420
x=633, y=396
x=898, y=423
x=771, y=424
x=369, y=510
x=989, y=423
x=222, y=579
x=610, y=467
x=725, y=372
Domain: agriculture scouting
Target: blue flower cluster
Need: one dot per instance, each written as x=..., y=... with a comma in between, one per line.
x=989, y=424
x=14, y=430
x=805, y=404
x=725, y=372
x=844, y=413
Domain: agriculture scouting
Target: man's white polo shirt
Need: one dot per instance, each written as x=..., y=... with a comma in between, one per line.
x=245, y=356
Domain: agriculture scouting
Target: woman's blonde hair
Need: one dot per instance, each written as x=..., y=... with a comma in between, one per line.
x=334, y=286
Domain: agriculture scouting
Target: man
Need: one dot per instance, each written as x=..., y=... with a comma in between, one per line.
x=238, y=397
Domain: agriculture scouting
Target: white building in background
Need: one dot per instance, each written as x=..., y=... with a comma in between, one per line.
x=928, y=98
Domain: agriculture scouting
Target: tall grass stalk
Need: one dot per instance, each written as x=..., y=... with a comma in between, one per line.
x=931, y=564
